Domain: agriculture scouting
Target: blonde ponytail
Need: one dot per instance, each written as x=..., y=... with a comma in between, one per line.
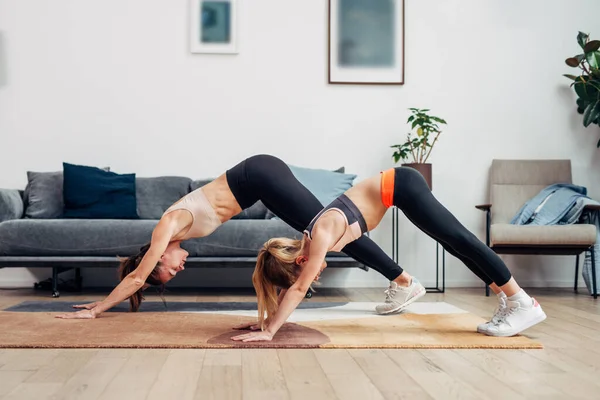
x=275, y=267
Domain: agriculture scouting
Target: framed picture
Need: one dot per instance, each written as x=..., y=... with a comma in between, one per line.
x=366, y=42
x=214, y=26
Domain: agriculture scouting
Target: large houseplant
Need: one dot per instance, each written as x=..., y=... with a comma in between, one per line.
x=424, y=133
x=587, y=82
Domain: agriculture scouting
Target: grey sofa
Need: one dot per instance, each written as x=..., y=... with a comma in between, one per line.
x=31, y=236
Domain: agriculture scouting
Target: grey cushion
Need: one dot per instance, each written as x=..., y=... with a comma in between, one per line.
x=155, y=195
x=73, y=237
x=11, y=204
x=44, y=194
x=199, y=183
x=256, y=211
x=30, y=237
x=241, y=238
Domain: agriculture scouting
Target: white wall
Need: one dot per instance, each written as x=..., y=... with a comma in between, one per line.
x=112, y=83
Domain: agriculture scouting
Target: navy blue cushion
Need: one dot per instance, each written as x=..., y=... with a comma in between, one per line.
x=93, y=193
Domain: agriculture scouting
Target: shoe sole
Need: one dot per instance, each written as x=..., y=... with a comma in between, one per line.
x=404, y=305
x=531, y=323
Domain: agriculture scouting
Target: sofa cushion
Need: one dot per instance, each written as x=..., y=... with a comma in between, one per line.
x=548, y=235
x=11, y=204
x=154, y=195
x=74, y=237
x=241, y=238
x=43, y=195
x=91, y=192
x=324, y=184
x=109, y=238
x=257, y=211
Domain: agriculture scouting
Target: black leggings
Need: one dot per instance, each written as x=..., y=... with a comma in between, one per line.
x=413, y=197
x=267, y=178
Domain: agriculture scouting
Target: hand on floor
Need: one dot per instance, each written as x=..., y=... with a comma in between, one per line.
x=83, y=314
x=254, y=337
x=88, y=306
x=253, y=326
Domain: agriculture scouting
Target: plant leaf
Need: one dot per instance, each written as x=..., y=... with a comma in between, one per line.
x=594, y=84
x=591, y=46
x=591, y=113
x=572, y=62
x=582, y=39
x=593, y=59
x=571, y=77
x=585, y=91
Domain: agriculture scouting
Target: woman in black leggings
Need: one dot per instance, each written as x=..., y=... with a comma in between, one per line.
x=295, y=264
x=200, y=212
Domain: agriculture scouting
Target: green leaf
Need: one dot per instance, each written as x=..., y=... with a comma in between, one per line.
x=585, y=91
x=593, y=59
x=572, y=62
x=594, y=84
x=571, y=77
x=582, y=39
x=412, y=117
x=591, y=113
x=591, y=46
x=440, y=120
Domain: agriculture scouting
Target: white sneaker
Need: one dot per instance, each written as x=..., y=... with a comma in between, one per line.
x=482, y=328
x=517, y=317
x=398, y=297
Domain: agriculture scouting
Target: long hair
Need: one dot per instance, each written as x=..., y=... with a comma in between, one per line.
x=275, y=267
x=128, y=265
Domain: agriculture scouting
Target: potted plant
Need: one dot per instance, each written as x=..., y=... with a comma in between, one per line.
x=424, y=134
x=587, y=83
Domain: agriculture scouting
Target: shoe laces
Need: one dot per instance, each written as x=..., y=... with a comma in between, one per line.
x=499, y=310
x=505, y=313
x=389, y=294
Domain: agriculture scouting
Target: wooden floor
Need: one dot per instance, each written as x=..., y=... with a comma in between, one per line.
x=568, y=367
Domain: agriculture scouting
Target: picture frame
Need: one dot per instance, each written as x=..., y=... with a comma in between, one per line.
x=366, y=42
x=214, y=26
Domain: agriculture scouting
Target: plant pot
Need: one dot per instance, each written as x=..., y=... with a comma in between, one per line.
x=424, y=169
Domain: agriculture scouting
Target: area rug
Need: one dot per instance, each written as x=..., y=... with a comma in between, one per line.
x=209, y=325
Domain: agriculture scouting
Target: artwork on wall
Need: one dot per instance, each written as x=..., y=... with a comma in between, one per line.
x=214, y=26
x=366, y=42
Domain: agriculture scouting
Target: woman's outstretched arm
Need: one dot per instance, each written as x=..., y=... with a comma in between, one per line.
x=161, y=236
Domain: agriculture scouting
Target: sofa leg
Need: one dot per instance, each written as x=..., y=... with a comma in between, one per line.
x=78, y=279
x=594, y=288
x=55, y=292
x=576, y=273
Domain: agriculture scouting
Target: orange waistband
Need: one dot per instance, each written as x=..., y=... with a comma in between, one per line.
x=387, y=187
